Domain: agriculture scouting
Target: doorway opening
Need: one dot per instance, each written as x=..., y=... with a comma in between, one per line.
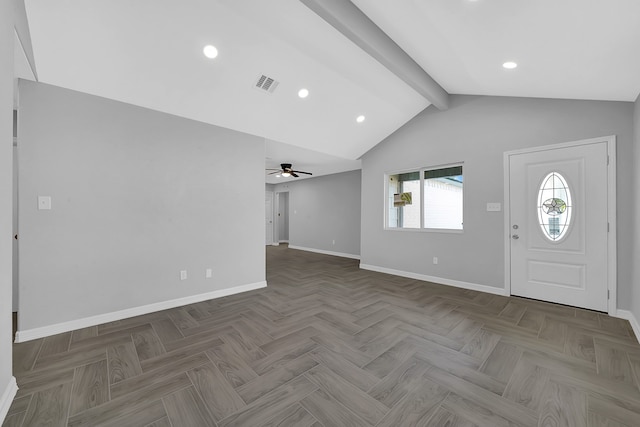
x=282, y=217
x=268, y=209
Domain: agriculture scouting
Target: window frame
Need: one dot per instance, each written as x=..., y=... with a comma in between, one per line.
x=421, y=172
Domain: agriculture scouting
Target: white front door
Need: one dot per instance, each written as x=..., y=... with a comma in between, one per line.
x=268, y=208
x=558, y=224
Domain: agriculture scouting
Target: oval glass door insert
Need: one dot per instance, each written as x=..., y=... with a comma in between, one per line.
x=554, y=206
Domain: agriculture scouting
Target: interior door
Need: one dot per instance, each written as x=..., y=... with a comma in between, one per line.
x=559, y=225
x=268, y=208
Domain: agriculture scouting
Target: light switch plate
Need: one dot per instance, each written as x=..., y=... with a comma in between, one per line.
x=494, y=207
x=44, y=203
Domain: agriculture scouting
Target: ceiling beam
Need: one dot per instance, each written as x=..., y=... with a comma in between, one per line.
x=345, y=17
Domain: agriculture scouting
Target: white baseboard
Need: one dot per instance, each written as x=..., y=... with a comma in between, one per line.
x=7, y=398
x=440, y=280
x=283, y=241
x=72, y=325
x=628, y=315
x=322, y=251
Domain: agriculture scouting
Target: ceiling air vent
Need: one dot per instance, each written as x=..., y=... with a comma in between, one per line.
x=266, y=83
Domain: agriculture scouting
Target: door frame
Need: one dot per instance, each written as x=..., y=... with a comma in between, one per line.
x=612, y=256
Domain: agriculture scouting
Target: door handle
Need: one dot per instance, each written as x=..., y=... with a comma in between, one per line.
x=515, y=237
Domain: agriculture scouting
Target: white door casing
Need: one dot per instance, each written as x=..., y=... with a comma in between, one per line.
x=578, y=267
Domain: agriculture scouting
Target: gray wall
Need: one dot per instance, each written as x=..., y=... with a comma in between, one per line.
x=137, y=196
x=325, y=209
x=477, y=131
x=6, y=179
x=635, y=196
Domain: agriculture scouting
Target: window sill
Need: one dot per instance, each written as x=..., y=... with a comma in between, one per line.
x=426, y=230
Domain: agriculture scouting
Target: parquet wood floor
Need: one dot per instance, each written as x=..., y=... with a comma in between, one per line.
x=327, y=344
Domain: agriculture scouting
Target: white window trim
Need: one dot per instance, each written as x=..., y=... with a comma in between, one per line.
x=421, y=171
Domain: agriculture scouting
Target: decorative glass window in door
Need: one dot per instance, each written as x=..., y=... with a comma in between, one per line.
x=554, y=206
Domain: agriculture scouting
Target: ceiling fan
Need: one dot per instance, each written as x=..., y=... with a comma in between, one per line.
x=286, y=170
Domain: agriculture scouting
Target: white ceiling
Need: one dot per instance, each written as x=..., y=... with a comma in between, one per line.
x=149, y=53
x=573, y=49
x=22, y=69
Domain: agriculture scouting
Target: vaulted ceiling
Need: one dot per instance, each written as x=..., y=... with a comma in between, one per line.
x=150, y=53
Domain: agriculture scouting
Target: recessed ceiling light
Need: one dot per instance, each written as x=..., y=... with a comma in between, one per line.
x=303, y=93
x=509, y=65
x=210, y=51
x=360, y=119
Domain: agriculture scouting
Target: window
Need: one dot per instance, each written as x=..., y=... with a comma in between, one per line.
x=554, y=206
x=425, y=199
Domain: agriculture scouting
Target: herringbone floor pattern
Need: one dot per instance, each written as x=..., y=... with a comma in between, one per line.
x=327, y=344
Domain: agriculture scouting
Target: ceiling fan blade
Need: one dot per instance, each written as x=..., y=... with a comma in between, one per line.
x=293, y=174
x=273, y=173
x=306, y=173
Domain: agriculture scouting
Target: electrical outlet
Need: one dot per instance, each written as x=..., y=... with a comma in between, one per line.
x=333, y=242
x=435, y=259
x=183, y=274
x=208, y=273
x=44, y=202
